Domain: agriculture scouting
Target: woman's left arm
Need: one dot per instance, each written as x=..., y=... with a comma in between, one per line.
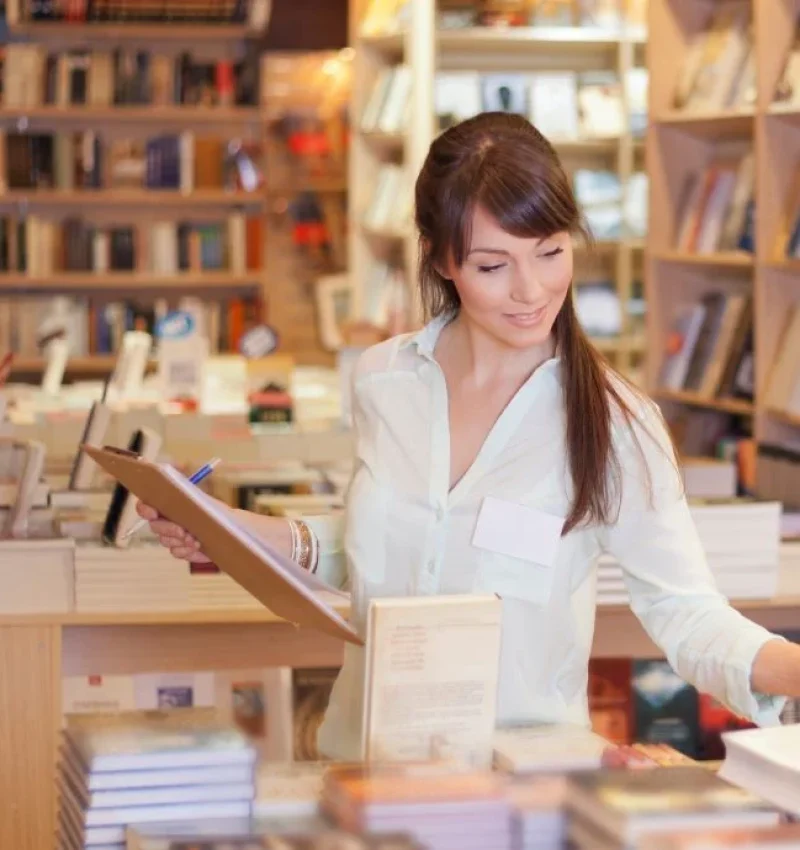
x=673, y=592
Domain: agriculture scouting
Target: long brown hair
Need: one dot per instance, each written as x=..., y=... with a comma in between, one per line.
x=503, y=164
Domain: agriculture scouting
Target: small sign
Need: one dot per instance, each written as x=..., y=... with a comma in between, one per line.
x=182, y=355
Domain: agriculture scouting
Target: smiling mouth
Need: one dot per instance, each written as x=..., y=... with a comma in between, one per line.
x=528, y=318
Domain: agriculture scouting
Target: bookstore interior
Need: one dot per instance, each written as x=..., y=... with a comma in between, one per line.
x=184, y=332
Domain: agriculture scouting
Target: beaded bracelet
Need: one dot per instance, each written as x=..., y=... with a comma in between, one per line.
x=305, y=547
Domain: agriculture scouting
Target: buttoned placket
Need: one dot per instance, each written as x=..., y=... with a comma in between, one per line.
x=442, y=499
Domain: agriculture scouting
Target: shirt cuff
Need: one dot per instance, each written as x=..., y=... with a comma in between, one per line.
x=761, y=709
x=329, y=529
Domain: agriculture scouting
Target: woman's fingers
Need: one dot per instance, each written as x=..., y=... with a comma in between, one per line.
x=165, y=528
x=146, y=512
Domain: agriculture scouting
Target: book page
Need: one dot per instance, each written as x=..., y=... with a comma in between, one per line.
x=432, y=679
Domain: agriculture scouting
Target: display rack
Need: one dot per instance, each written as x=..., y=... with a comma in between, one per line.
x=517, y=49
x=683, y=142
x=37, y=650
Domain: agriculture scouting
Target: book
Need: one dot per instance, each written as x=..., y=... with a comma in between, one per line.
x=154, y=740
x=783, y=837
x=548, y=748
x=767, y=762
x=431, y=673
x=439, y=802
x=626, y=805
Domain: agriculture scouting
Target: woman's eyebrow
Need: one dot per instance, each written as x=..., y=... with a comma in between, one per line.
x=487, y=251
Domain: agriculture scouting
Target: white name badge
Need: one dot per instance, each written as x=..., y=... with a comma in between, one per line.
x=518, y=531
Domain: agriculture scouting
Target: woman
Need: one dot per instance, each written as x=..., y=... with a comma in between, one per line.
x=500, y=408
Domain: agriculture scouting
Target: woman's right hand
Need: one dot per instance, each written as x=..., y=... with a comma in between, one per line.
x=180, y=543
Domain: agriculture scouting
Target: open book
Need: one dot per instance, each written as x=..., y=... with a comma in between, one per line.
x=275, y=580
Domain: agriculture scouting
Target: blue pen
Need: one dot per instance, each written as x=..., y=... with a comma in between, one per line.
x=201, y=474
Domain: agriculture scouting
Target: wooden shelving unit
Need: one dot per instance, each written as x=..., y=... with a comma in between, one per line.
x=288, y=187
x=486, y=50
x=67, y=282
x=679, y=143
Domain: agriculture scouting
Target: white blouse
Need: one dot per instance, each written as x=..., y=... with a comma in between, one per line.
x=405, y=534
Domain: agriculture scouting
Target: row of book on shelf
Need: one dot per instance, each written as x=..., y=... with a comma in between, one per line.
x=33, y=76
x=611, y=16
x=88, y=160
x=719, y=71
x=564, y=106
x=305, y=95
x=613, y=210
x=716, y=209
x=252, y=13
x=39, y=246
x=710, y=352
x=92, y=326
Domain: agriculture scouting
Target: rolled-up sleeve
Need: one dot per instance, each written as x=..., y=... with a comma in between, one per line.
x=329, y=530
x=672, y=590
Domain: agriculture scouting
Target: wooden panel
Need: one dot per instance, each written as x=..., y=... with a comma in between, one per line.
x=133, y=649
x=30, y=706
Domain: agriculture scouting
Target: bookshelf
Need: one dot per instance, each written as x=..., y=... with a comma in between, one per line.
x=524, y=50
x=231, y=106
x=685, y=141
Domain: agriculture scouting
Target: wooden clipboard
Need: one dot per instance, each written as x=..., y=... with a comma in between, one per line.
x=278, y=583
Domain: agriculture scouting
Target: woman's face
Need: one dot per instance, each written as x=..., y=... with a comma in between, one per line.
x=512, y=288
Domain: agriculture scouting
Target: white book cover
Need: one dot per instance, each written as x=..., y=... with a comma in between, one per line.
x=600, y=104
x=456, y=96
x=431, y=678
x=157, y=739
x=391, y=118
x=554, y=105
x=505, y=93
x=766, y=762
x=548, y=748
x=377, y=97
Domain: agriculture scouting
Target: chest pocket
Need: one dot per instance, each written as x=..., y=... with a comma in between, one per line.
x=515, y=578
x=518, y=548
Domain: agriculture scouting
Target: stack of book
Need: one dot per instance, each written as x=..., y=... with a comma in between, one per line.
x=442, y=806
x=140, y=767
x=789, y=571
x=548, y=748
x=538, y=820
x=142, y=577
x=742, y=541
x=620, y=808
x=767, y=761
x=784, y=837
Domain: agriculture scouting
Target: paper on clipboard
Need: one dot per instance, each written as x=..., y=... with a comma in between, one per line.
x=276, y=581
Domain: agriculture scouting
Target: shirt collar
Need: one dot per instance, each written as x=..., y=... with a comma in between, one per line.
x=425, y=339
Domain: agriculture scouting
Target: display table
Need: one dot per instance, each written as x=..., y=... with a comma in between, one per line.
x=36, y=650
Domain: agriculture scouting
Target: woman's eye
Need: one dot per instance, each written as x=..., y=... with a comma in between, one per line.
x=489, y=269
x=554, y=253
